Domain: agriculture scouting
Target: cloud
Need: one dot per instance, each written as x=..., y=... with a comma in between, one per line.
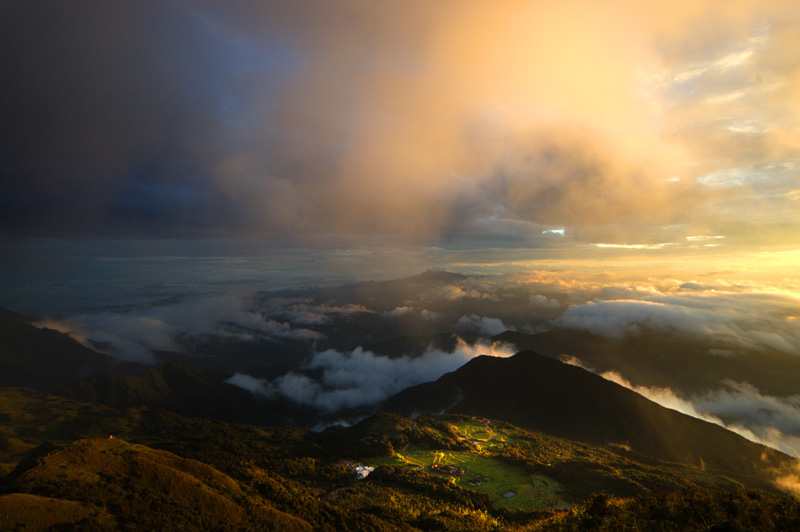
x=728, y=319
x=101, y=101
x=728, y=315
x=483, y=324
x=251, y=384
x=401, y=122
x=400, y=311
x=745, y=405
x=574, y=361
x=429, y=315
x=741, y=408
x=133, y=335
x=70, y=327
x=736, y=406
x=468, y=288
x=360, y=378
x=544, y=302
x=731, y=313
x=305, y=313
x=663, y=396
x=788, y=479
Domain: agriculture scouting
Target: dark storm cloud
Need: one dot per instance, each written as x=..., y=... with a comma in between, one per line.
x=400, y=122
x=106, y=112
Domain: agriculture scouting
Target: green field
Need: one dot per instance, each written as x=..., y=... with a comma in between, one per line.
x=482, y=472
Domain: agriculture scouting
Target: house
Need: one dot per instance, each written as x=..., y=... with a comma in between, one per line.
x=361, y=471
x=447, y=470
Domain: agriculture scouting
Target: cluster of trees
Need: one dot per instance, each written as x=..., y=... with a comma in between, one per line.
x=385, y=433
x=684, y=510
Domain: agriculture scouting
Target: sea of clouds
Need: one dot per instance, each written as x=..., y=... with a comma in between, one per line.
x=729, y=317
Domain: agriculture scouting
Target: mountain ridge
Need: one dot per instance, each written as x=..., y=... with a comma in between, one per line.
x=538, y=392
x=26, y=349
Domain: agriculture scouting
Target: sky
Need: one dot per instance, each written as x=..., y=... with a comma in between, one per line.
x=577, y=127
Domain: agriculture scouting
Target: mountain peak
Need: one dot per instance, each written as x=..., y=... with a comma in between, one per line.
x=541, y=393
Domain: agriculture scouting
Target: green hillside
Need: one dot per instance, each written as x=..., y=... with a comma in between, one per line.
x=497, y=458
x=540, y=393
x=126, y=486
x=163, y=471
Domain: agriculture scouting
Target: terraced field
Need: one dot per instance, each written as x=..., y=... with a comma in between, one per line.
x=509, y=486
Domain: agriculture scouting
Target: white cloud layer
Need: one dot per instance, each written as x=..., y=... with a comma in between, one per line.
x=737, y=406
x=400, y=311
x=360, y=377
x=733, y=312
x=133, y=335
x=483, y=325
x=750, y=320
